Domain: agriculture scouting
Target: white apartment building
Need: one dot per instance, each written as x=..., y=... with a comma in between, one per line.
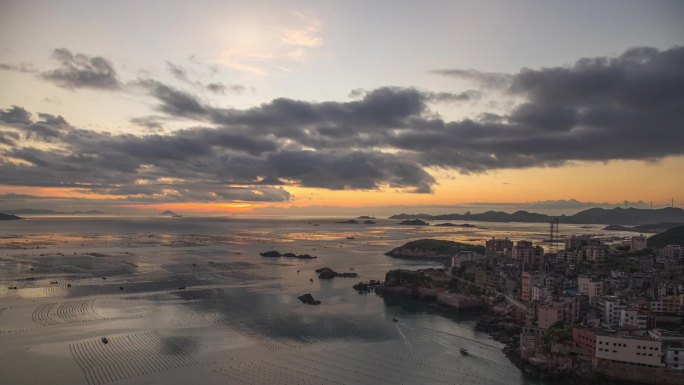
x=632, y=318
x=641, y=350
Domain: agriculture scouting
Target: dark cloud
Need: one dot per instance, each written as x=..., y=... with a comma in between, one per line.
x=178, y=71
x=150, y=123
x=15, y=115
x=82, y=71
x=23, y=67
x=599, y=109
x=220, y=88
x=491, y=80
x=174, y=101
x=8, y=137
x=449, y=97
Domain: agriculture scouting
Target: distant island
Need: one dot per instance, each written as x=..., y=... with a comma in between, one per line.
x=8, y=217
x=654, y=228
x=53, y=212
x=433, y=249
x=449, y=224
x=414, y=222
x=169, y=213
x=615, y=216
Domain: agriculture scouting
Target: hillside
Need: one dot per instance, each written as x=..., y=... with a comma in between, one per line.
x=673, y=236
x=615, y=216
x=653, y=228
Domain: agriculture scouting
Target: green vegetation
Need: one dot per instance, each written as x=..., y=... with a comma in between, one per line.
x=558, y=333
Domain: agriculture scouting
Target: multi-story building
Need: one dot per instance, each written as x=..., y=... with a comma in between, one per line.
x=640, y=349
x=637, y=243
x=526, y=253
x=633, y=318
x=575, y=242
x=526, y=282
x=635, y=350
x=590, y=287
x=673, y=347
x=672, y=251
x=565, y=310
x=498, y=248
x=540, y=293
x=672, y=303
x=595, y=253
x=610, y=310
x=673, y=355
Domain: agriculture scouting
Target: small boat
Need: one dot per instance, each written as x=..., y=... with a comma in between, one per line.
x=464, y=351
x=395, y=320
x=177, y=216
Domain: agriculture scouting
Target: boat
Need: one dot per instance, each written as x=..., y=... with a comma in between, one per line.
x=395, y=320
x=464, y=351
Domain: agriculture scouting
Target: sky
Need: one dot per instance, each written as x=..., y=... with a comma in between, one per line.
x=262, y=107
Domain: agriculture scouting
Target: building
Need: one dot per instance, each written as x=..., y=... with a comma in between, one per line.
x=566, y=310
x=672, y=251
x=590, y=287
x=525, y=252
x=637, y=243
x=673, y=355
x=595, y=253
x=540, y=293
x=500, y=248
x=526, y=282
x=633, y=318
x=610, y=310
x=577, y=242
x=640, y=350
x=672, y=303
x=585, y=338
x=673, y=347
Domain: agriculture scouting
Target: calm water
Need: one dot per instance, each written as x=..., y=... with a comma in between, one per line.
x=237, y=318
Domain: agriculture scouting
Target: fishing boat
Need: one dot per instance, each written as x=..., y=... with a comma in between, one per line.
x=464, y=351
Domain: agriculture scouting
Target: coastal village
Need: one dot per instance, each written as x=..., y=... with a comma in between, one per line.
x=575, y=309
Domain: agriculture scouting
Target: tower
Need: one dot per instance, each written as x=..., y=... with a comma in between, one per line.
x=554, y=236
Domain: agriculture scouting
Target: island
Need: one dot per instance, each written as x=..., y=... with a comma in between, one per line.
x=433, y=249
x=596, y=215
x=350, y=221
x=414, y=222
x=277, y=254
x=328, y=273
x=8, y=217
x=309, y=299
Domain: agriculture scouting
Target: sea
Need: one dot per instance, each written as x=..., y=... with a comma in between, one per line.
x=161, y=300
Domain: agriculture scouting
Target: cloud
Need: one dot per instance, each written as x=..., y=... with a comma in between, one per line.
x=450, y=97
x=15, y=115
x=490, y=80
x=307, y=36
x=178, y=71
x=599, y=109
x=23, y=67
x=174, y=101
x=8, y=137
x=150, y=123
x=220, y=88
x=82, y=71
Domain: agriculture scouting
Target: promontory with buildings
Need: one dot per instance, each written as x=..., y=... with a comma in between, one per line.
x=587, y=308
